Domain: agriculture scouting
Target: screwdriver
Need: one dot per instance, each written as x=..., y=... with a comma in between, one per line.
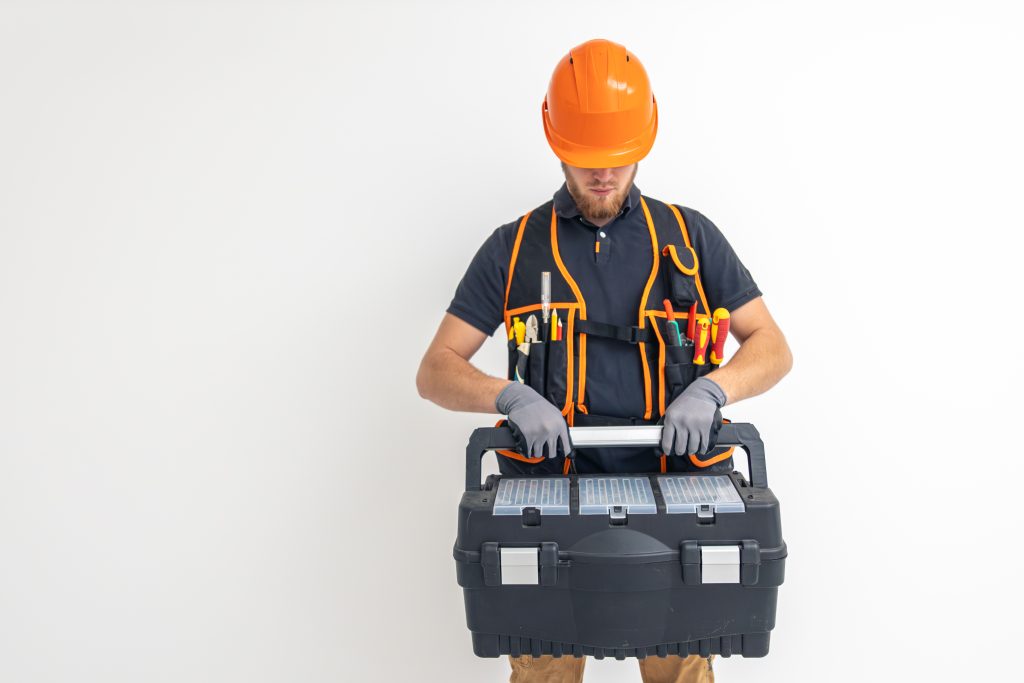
x=700, y=344
x=719, y=331
x=691, y=321
x=672, y=337
x=520, y=329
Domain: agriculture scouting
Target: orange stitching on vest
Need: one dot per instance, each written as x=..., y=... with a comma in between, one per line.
x=643, y=307
x=536, y=307
x=512, y=454
x=686, y=238
x=570, y=360
x=583, y=310
x=712, y=461
x=661, y=366
x=512, y=267
x=670, y=250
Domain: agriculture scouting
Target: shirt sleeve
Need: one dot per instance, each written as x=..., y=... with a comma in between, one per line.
x=480, y=297
x=727, y=282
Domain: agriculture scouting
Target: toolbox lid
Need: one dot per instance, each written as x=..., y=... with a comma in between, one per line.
x=684, y=494
x=549, y=495
x=598, y=495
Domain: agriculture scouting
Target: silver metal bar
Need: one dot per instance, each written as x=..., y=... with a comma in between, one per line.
x=643, y=435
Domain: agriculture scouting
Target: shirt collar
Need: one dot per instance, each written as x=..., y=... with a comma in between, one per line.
x=565, y=205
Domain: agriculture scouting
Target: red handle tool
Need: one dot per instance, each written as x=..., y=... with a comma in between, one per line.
x=673, y=337
x=719, y=332
x=691, y=321
x=700, y=344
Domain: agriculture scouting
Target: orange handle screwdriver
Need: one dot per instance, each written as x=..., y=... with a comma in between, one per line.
x=700, y=344
x=673, y=337
x=719, y=332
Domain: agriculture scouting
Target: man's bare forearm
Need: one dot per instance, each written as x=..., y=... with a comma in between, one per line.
x=454, y=383
x=762, y=360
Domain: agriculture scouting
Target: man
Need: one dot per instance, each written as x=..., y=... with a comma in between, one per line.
x=606, y=355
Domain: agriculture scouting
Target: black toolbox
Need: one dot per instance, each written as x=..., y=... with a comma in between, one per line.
x=624, y=565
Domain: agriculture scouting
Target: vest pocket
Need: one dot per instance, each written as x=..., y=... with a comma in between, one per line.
x=528, y=368
x=536, y=364
x=518, y=364
x=556, y=368
x=543, y=369
x=679, y=370
x=681, y=272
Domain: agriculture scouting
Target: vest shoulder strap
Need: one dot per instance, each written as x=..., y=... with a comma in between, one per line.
x=532, y=255
x=669, y=228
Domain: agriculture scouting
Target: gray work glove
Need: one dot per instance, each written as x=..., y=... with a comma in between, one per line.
x=534, y=421
x=690, y=418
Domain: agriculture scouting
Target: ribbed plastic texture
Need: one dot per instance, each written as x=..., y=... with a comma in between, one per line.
x=599, y=494
x=550, y=496
x=747, y=645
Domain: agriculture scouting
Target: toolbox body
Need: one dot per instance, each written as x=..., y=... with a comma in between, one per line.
x=620, y=565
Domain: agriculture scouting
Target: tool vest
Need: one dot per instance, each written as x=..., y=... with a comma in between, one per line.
x=557, y=370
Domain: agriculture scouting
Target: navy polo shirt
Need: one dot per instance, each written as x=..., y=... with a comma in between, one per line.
x=612, y=281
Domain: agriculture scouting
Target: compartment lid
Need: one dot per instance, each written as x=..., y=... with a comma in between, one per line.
x=685, y=493
x=598, y=495
x=549, y=495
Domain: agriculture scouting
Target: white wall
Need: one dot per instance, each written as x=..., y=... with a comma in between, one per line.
x=228, y=231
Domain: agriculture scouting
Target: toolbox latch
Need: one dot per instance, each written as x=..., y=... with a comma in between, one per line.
x=520, y=566
x=720, y=564
x=617, y=515
x=705, y=514
x=512, y=566
x=703, y=564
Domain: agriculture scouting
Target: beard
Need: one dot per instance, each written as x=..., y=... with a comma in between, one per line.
x=599, y=208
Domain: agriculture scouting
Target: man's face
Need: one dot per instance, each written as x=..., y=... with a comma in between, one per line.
x=599, y=192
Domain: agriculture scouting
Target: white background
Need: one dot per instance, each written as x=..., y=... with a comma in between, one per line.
x=228, y=231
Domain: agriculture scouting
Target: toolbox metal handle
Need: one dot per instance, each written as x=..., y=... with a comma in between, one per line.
x=741, y=434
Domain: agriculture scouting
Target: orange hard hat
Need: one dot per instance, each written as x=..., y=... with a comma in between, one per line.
x=599, y=111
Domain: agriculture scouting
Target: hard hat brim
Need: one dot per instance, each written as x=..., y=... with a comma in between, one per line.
x=583, y=156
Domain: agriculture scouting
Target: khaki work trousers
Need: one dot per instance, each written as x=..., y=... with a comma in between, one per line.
x=547, y=669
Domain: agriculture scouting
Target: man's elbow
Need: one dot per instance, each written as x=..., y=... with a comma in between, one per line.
x=776, y=350
x=423, y=377
x=785, y=356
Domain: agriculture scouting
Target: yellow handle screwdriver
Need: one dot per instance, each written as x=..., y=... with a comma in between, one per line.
x=702, y=335
x=719, y=331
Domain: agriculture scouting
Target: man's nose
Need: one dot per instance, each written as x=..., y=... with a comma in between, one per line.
x=603, y=175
